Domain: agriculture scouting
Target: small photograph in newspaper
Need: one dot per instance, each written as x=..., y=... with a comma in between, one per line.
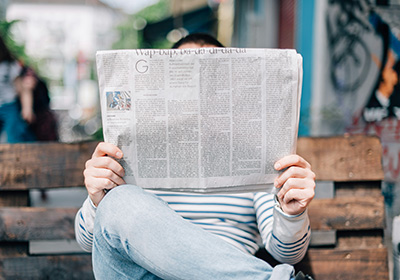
x=201, y=120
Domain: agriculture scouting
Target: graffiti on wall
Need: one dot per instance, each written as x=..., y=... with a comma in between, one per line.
x=364, y=47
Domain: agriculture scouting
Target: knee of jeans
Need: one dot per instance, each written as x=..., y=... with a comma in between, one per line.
x=121, y=203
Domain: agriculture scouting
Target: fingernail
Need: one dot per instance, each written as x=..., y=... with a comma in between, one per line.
x=277, y=166
x=119, y=154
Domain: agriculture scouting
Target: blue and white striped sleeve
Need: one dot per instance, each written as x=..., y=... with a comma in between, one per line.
x=286, y=237
x=84, y=224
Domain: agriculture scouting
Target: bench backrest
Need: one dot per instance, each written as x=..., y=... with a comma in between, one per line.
x=347, y=240
x=347, y=224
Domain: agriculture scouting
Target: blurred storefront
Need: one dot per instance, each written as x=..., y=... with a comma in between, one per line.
x=62, y=37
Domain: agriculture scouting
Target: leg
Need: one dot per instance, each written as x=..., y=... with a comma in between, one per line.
x=137, y=235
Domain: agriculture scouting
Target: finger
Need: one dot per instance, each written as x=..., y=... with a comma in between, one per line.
x=98, y=185
x=107, y=149
x=293, y=172
x=296, y=183
x=302, y=197
x=103, y=173
x=291, y=160
x=106, y=163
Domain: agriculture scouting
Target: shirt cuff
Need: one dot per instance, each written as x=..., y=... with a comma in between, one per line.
x=92, y=204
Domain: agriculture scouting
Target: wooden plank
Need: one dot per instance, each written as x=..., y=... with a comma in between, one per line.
x=347, y=213
x=33, y=223
x=43, y=165
x=360, y=264
x=367, y=188
x=14, y=198
x=13, y=249
x=351, y=158
x=47, y=267
x=360, y=239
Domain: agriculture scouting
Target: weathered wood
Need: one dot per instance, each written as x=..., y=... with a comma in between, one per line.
x=43, y=165
x=367, y=188
x=361, y=264
x=47, y=267
x=14, y=249
x=32, y=223
x=347, y=213
x=353, y=158
x=360, y=239
x=14, y=198
x=355, y=216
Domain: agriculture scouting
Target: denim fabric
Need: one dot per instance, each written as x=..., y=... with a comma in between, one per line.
x=11, y=122
x=138, y=236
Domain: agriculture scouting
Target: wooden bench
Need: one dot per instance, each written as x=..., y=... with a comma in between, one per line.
x=347, y=216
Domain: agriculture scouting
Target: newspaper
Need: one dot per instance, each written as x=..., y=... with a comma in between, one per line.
x=201, y=120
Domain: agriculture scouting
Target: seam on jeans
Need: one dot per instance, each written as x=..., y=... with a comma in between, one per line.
x=142, y=256
x=118, y=272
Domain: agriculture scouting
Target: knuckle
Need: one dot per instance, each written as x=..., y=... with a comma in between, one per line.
x=108, y=173
x=290, y=181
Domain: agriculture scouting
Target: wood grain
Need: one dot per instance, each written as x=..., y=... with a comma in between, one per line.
x=43, y=165
x=47, y=267
x=32, y=223
x=361, y=264
x=347, y=213
x=352, y=158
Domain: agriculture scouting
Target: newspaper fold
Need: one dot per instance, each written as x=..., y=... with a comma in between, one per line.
x=201, y=120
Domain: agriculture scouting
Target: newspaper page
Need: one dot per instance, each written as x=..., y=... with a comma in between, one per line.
x=201, y=120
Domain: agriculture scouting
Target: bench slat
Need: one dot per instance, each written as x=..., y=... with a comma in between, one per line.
x=361, y=264
x=31, y=223
x=43, y=165
x=353, y=158
x=47, y=267
x=347, y=213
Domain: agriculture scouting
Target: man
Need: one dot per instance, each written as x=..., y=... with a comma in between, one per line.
x=138, y=234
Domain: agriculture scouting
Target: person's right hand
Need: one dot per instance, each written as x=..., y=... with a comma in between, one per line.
x=102, y=172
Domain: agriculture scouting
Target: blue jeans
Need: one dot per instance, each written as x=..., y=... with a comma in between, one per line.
x=138, y=236
x=11, y=122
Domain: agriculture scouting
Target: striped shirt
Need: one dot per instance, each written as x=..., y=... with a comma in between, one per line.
x=245, y=220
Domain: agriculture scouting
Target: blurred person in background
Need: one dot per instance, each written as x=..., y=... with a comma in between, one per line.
x=44, y=126
x=14, y=88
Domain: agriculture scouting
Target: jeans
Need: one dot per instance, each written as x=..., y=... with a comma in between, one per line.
x=11, y=122
x=138, y=236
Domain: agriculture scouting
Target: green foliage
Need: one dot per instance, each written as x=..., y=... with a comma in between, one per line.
x=131, y=38
x=98, y=135
x=155, y=12
x=17, y=50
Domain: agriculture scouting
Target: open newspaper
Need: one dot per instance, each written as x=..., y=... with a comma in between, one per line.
x=201, y=120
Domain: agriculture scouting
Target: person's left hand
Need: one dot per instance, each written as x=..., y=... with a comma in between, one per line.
x=296, y=184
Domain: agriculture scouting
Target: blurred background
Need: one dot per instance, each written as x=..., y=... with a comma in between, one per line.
x=351, y=52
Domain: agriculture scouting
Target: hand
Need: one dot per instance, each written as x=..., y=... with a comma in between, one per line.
x=27, y=114
x=102, y=172
x=296, y=184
